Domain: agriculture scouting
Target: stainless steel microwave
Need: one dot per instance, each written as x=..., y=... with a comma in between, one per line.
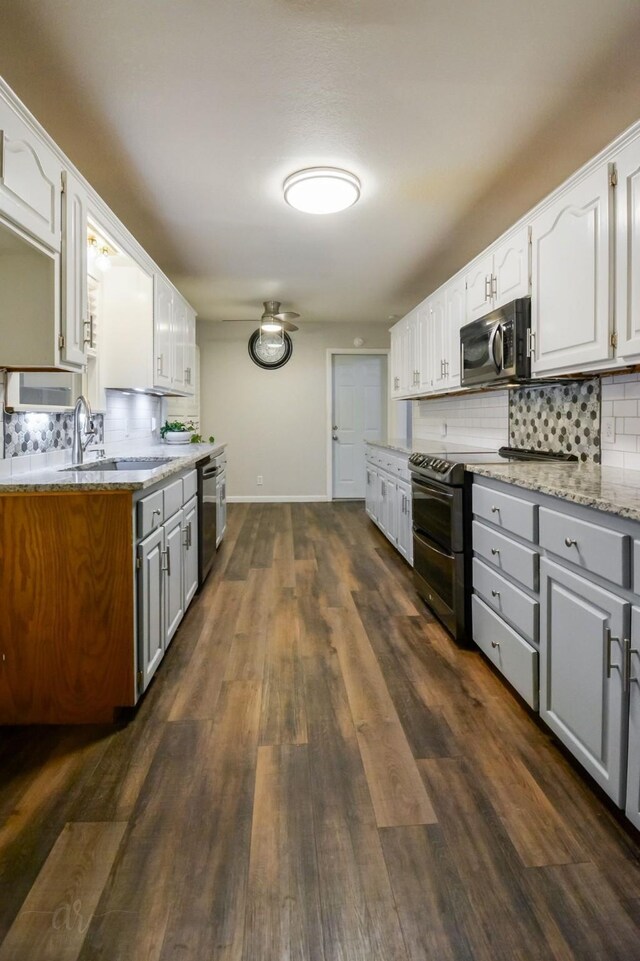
x=497, y=347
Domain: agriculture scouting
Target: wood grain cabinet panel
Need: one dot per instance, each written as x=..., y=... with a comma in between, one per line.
x=66, y=640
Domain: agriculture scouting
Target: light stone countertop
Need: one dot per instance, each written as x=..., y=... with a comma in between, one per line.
x=611, y=489
x=418, y=446
x=59, y=479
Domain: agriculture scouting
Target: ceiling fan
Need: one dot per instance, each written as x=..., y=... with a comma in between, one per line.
x=273, y=319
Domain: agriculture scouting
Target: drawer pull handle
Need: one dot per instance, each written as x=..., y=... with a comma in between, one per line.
x=570, y=542
x=495, y=644
x=495, y=593
x=155, y=513
x=495, y=550
x=495, y=510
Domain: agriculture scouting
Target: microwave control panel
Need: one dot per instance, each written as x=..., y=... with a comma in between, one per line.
x=508, y=346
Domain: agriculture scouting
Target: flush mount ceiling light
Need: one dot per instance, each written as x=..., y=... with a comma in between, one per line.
x=321, y=190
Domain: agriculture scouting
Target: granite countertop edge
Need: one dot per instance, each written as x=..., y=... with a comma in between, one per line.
x=623, y=500
x=62, y=480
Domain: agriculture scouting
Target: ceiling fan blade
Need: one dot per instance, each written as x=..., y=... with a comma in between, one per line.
x=286, y=315
x=287, y=324
x=239, y=320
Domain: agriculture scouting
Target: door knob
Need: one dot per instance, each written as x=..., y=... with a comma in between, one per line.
x=335, y=436
x=335, y=427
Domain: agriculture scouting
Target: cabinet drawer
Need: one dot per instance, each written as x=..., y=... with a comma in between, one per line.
x=150, y=513
x=594, y=548
x=506, y=599
x=189, y=486
x=513, y=559
x=172, y=498
x=511, y=513
x=510, y=653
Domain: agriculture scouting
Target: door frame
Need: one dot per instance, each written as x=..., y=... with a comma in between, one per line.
x=381, y=351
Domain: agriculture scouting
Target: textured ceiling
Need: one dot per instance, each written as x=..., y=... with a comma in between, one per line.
x=456, y=116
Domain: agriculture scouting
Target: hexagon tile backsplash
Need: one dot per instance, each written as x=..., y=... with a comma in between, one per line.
x=37, y=433
x=557, y=417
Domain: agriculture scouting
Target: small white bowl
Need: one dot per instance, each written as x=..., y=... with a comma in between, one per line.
x=178, y=437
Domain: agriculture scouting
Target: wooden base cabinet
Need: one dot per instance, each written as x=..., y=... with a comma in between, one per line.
x=583, y=673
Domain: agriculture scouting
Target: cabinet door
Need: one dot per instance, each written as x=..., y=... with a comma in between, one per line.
x=397, y=361
x=162, y=338
x=633, y=765
x=571, y=277
x=150, y=605
x=190, y=358
x=455, y=319
x=628, y=250
x=581, y=673
x=405, y=533
x=412, y=369
x=174, y=602
x=383, y=503
x=178, y=339
x=425, y=340
x=370, y=489
x=478, y=288
x=74, y=322
x=392, y=509
x=190, y=550
x=30, y=179
x=440, y=345
x=512, y=268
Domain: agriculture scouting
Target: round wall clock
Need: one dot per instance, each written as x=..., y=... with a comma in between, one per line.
x=270, y=351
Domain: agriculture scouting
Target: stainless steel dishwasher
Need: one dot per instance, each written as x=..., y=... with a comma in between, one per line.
x=207, y=516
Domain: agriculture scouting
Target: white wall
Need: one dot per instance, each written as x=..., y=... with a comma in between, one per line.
x=480, y=420
x=132, y=419
x=274, y=421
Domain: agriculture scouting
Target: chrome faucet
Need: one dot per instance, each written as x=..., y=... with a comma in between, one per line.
x=80, y=445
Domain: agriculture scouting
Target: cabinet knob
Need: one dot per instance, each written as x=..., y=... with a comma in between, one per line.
x=495, y=644
x=495, y=593
x=495, y=510
x=570, y=542
x=495, y=550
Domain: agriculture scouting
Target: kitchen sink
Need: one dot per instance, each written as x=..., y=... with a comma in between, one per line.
x=122, y=463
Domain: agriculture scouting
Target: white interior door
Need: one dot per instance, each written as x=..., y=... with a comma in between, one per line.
x=359, y=414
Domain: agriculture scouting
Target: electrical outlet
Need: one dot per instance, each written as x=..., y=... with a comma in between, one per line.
x=259, y=480
x=609, y=428
x=443, y=429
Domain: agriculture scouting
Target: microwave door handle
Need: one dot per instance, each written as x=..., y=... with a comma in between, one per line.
x=492, y=348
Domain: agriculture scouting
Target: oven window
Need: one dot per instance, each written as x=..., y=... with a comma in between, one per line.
x=433, y=512
x=436, y=568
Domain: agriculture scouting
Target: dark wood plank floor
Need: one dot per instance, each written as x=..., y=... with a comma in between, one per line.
x=317, y=773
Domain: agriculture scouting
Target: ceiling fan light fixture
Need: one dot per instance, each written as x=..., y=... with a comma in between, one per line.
x=271, y=327
x=321, y=190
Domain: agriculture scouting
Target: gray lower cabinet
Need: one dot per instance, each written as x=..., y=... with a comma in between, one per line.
x=388, y=501
x=174, y=598
x=150, y=605
x=582, y=696
x=190, y=551
x=167, y=571
x=633, y=763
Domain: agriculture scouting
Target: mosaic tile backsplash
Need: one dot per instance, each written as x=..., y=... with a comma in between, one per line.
x=37, y=433
x=558, y=417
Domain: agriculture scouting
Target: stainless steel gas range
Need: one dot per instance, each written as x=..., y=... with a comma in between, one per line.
x=441, y=501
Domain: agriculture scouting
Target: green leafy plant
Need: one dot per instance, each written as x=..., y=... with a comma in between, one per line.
x=199, y=439
x=174, y=426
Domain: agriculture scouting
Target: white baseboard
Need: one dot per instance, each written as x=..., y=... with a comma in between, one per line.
x=277, y=498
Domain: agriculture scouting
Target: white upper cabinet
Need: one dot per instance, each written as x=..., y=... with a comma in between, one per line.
x=478, y=286
x=440, y=340
x=426, y=347
x=571, y=277
x=162, y=327
x=412, y=367
x=190, y=353
x=179, y=338
x=628, y=251
x=512, y=268
x=498, y=277
x=396, y=361
x=77, y=333
x=456, y=317
x=30, y=178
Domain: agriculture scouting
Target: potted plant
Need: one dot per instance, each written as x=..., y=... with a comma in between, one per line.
x=177, y=431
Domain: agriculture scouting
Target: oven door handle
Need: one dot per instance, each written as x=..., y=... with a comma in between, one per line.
x=432, y=547
x=211, y=473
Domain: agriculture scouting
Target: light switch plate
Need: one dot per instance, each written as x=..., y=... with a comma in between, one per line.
x=609, y=429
